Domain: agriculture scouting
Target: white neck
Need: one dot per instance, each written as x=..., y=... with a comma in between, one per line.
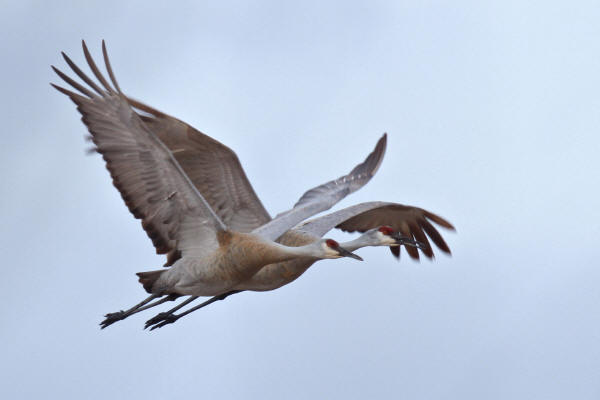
x=360, y=242
x=312, y=250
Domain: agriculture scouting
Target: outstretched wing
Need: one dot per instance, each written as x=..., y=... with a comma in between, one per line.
x=213, y=167
x=413, y=222
x=218, y=175
x=324, y=196
x=152, y=183
x=334, y=191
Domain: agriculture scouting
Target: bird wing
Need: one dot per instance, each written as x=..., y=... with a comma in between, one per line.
x=152, y=183
x=413, y=222
x=213, y=168
x=324, y=196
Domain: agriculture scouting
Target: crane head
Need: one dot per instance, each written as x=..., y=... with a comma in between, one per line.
x=334, y=250
x=395, y=238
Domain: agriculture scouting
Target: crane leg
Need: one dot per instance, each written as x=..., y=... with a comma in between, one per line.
x=170, y=297
x=165, y=315
x=169, y=319
x=111, y=318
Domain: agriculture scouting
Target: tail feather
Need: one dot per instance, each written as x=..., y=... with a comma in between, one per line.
x=148, y=278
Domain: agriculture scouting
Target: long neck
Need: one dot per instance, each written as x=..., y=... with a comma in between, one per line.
x=278, y=252
x=254, y=250
x=358, y=243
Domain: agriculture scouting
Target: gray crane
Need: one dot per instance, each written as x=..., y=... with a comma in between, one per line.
x=212, y=257
x=214, y=171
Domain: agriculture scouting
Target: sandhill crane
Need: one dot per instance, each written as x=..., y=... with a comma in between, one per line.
x=210, y=257
x=217, y=174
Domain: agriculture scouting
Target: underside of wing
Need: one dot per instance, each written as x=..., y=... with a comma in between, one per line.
x=333, y=191
x=413, y=222
x=213, y=167
x=325, y=196
x=151, y=182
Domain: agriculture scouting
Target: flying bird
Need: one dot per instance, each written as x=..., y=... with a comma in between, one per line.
x=215, y=172
x=210, y=256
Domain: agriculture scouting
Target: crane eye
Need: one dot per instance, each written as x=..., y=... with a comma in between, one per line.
x=386, y=230
x=332, y=243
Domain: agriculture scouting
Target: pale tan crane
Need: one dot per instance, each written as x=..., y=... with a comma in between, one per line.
x=212, y=258
x=218, y=176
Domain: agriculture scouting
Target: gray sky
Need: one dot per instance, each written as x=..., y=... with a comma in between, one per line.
x=492, y=111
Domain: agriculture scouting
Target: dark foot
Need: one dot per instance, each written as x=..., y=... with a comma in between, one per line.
x=169, y=319
x=111, y=318
x=157, y=318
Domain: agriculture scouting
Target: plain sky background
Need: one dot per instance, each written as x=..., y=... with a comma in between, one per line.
x=493, y=116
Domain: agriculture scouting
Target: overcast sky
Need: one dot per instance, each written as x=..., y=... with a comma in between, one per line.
x=493, y=116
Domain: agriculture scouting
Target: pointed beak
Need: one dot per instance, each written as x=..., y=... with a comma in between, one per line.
x=403, y=240
x=345, y=253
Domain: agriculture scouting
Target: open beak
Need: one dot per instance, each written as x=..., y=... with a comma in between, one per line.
x=345, y=253
x=403, y=240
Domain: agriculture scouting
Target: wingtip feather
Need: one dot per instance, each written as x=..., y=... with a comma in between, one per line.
x=109, y=68
x=439, y=220
x=395, y=252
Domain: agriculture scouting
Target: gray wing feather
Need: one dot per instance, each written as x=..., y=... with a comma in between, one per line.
x=150, y=180
x=324, y=196
x=335, y=190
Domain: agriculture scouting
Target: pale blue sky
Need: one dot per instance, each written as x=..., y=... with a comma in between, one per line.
x=492, y=111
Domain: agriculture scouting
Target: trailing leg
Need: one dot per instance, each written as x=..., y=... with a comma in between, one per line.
x=168, y=314
x=174, y=317
x=111, y=318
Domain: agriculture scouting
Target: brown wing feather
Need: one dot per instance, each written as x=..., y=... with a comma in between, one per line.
x=411, y=221
x=151, y=182
x=213, y=167
x=413, y=252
